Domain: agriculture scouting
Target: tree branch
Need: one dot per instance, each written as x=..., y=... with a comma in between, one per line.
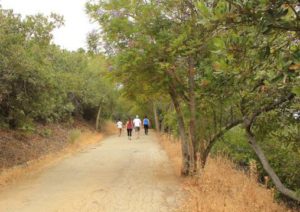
x=287, y=28
x=270, y=107
x=256, y=19
x=295, y=12
x=176, y=82
x=215, y=138
x=266, y=165
x=248, y=122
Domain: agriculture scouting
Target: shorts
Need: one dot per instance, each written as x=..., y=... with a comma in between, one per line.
x=137, y=129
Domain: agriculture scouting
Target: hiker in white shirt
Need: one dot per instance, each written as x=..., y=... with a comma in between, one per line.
x=120, y=126
x=137, y=125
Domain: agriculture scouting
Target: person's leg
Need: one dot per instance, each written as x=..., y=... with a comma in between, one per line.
x=130, y=133
x=120, y=131
x=146, y=129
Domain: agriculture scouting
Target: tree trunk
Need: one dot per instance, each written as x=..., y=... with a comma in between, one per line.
x=265, y=163
x=98, y=117
x=185, y=170
x=157, y=126
x=162, y=126
x=192, y=124
x=248, y=122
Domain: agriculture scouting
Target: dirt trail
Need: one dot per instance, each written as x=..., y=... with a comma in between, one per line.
x=116, y=175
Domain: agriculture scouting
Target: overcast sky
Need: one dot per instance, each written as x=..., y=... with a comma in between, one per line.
x=71, y=36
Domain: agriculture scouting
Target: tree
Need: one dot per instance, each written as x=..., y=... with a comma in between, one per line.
x=222, y=63
x=39, y=82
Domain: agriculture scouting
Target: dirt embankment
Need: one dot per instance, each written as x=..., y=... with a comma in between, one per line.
x=21, y=151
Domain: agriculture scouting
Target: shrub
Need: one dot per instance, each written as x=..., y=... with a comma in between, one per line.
x=74, y=135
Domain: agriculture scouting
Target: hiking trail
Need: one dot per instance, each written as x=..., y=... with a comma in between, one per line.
x=114, y=175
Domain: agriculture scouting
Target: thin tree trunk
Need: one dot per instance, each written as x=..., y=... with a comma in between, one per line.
x=214, y=139
x=163, y=123
x=98, y=117
x=248, y=122
x=192, y=124
x=157, y=126
x=162, y=126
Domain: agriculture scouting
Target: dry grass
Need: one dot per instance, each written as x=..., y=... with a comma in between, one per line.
x=221, y=187
x=110, y=128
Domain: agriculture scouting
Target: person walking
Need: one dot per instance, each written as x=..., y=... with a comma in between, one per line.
x=120, y=126
x=129, y=126
x=137, y=125
x=146, y=124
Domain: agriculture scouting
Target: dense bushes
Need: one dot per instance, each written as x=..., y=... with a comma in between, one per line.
x=41, y=82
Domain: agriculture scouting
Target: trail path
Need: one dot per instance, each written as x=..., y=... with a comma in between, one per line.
x=115, y=175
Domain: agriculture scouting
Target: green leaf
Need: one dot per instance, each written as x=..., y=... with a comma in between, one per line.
x=296, y=90
x=219, y=43
x=203, y=9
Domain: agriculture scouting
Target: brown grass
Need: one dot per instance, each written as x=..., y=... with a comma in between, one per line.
x=221, y=187
x=110, y=128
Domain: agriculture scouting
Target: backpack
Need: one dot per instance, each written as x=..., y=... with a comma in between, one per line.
x=129, y=125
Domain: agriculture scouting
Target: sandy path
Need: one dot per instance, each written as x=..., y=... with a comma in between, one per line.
x=116, y=175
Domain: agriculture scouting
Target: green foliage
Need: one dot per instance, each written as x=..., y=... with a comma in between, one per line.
x=28, y=127
x=227, y=60
x=40, y=82
x=74, y=135
x=283, y=156
x=46, y=133
x=236, y=147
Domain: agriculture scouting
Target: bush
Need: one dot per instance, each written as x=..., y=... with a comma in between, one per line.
x=235, y=146
x=46, y=133
x=74, y=135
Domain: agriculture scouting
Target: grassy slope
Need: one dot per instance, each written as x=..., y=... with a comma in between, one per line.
x=222, y=187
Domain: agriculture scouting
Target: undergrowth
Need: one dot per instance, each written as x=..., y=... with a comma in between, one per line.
x=221, y=187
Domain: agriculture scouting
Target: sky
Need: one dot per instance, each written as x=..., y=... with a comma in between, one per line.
x=72, y=35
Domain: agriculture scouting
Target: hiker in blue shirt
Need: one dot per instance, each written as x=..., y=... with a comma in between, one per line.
x=146, y=124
